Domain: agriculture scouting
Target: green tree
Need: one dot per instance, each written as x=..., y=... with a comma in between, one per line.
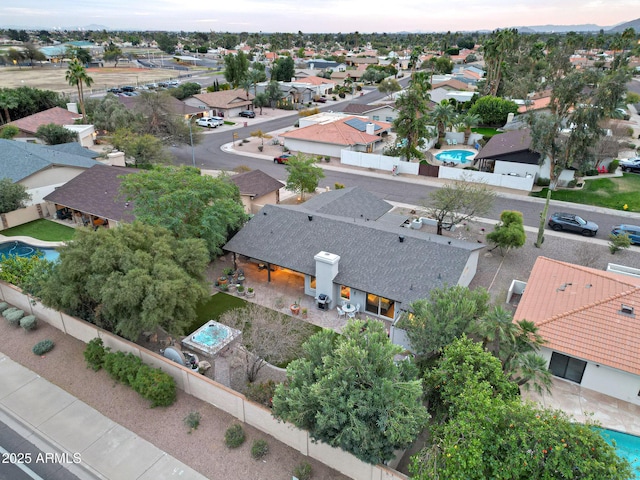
x=283, y=70
x=236, y=68
x=81, y=54
x=8, y=101
x=76, y=76
x=274, y=93
x=12, y=195
x=53, y=134
x=16, y=57
x=496, y=49
x=487, y=432
x=434, y=323
x=112, y=53
x=458, y=202
x=443, y=65
x=508, y=232
x=304, y=176
x=389, y=86
x=348, y=392
x=109, y=114
x=190, y=205
x=185, y=90
x=145, y=150
x=9, y=132
x=166, y=43
x=444, y=116
x=33, y=53
x=129, y=279
x=261, y=100
x=469, y=121
x=411, y=123
x=157, y=118
x=493, y=110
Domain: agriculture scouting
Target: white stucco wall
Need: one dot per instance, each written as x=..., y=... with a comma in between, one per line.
x=313, y=148
x=53, y=176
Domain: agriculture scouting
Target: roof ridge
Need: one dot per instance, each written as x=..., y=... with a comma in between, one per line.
x=594, y=271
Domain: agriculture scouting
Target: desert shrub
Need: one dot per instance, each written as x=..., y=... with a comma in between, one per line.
x=234, y=436
x=155, y=385
x=259, y=449
x=543, y=182
x=572, y=183
x=192, y=420
x=262, y=392
x=338, y=186
x=8, y=311
x=592, y=172
x=42, y=347
x=94, y=354
x=3, y=306
x=302, y=471
x=618, y=242
x=29, y=322
x=613, y=166
x=122, y=367
x=14, y=317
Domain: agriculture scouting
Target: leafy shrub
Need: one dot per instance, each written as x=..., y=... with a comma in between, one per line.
x=94, y=354
x=592, y=172
x=234, y=436
x=28, y=323
x=3, y=306
x=259, y=449
x=302, y=471
x=13, y=317
x=42, y=347
x=262, y=392
x=543, y=182
x=192, y=420
x=122, y=367
x=155, y=385
x=572, y=183
x=613, y=166
x=618, y=242
x=8, y=311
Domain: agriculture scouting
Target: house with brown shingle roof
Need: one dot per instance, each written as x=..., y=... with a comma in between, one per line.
x=28, y=126
x=329, y=138
x=257, y=189
x=225, y=103
x=590, y=320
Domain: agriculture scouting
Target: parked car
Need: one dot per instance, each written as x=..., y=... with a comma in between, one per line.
x=114, y=90
x=632, y=230
x=321, y=100
x=128, y=88
x=572, y=223
x=630, y=164
x=220, y=120
x=284, y=158
x=207, y=122
x=247, y=114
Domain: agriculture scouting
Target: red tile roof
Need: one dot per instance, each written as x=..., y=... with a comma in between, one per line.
x=578, y=312
x=56, y=115
x=337, y=133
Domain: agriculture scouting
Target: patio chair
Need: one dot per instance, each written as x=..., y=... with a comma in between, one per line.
x=449, y=141
x=352, y=314
x=454, y=142
x=340, y=312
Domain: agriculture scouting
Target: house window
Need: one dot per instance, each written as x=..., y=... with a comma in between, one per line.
x=389, y=119
x=380, y=306
x=345, y=292
x=567, y=367
x=312, y=283
x=376, y=118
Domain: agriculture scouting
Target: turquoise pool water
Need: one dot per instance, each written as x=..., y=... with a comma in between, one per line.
x=21, y=249
x=627, y=446
x=458, y=156
x=211, y=334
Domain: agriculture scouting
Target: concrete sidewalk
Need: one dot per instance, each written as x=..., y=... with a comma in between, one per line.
x=56, y=422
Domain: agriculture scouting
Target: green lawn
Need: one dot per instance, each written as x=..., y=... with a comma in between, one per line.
x=213, y=308
x=612, y=193
x=485, y=131
x=42, y=230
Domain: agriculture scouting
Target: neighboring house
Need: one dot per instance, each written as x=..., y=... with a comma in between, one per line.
x=318, y=64
x=437, y=95
x=174, y=106
x=225, y=103
x=590, y=321
x=339, y=76
x=28, y=126
x=357, y=61
x=320, y=86
x=257, y=189
x=347, y=244
x=329, y=138
x=385, y=113
x=509, y=153
x=538, y=102
x=43, y=168
x=93, y=198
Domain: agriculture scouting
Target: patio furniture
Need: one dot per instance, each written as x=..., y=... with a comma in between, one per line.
x=341, y=312
x=454, y=141
x=449, y=141
x=350, y=310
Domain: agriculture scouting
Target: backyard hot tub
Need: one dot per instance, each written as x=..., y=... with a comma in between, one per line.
x=211, y=338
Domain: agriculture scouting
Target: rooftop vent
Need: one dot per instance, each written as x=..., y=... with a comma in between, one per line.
x=563, y=287
x=626, y=309
x=310, y=217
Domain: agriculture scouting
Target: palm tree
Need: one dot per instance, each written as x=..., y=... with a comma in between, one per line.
x=8, y=100
x=469, y=121
x=77, y=76
x=443, y=115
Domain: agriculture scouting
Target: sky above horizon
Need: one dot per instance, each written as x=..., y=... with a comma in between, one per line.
x=330, y=16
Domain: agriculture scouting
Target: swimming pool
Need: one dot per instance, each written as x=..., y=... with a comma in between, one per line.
x=627, y=446
x=458, y=156
x=21, y=249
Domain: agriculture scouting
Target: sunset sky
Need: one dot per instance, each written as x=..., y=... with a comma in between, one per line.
x=312, y=17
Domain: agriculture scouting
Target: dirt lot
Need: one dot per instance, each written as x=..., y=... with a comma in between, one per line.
x=52, y=77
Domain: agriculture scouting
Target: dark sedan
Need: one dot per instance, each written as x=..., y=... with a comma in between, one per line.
x=630, y=165
x=247, y=114
x=572, y=223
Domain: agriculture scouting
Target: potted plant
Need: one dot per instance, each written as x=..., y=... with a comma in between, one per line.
x=224, y=287
x=304, y=313
x=240, y=290
x=250, y=293
x=223, y=280
x=295, y=307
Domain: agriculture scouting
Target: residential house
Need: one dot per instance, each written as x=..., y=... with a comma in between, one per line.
x=537, y=102
x=323, y=65
x=347, y=244
x=173, y=106
x=330, y=137
x=589, y=322
x=93, y=198
x=43, y=168
x=225, y=103
x=340, y=76
x=510, y=153
x=28, y=126
x=257, y=189
x=375, y=113
x=356, y=61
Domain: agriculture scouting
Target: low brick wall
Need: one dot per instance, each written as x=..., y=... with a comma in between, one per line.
x=207, y=390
